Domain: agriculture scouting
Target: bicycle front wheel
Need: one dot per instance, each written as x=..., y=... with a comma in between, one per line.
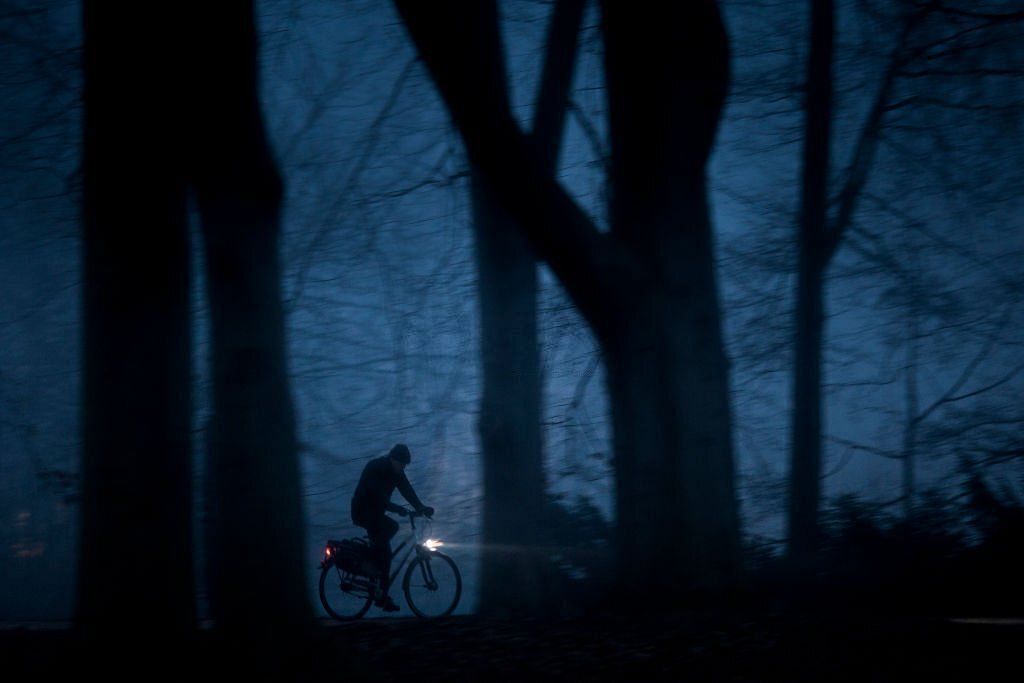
x=345, y=597
x=432, y=585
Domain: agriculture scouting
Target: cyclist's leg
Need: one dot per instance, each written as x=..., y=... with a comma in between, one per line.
x=381, y=532
x=369, y=524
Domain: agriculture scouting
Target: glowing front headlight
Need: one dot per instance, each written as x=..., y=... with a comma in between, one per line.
x=432, y=544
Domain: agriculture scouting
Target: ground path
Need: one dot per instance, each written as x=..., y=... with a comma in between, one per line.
x=692, y=646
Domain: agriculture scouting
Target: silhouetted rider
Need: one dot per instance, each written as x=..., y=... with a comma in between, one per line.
x=373, y=498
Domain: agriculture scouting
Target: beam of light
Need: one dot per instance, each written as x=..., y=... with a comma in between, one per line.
x=554, y=550
x=990, y=621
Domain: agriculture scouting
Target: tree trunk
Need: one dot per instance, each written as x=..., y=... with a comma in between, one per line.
x=677, y=522
x=648, y=290
x=814, y=254
x=136, y=534
x=912, y=412
x=805, y=457
x=667, y=72
x=259, y=584
x=509, y=422
x=515, y=573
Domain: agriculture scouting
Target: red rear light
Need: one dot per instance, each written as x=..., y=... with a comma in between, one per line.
x=328, y=552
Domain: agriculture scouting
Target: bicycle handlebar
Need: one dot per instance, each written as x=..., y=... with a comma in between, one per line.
x=413, y=514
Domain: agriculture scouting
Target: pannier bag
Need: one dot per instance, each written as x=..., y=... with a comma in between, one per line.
x=353, y=555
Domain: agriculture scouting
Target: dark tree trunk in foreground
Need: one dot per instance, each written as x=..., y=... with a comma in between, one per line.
x=667, y=74
x=192, y=121
x=258, y=581
x=648, y=289
x=515, y=576
x=813, y=257
x=136, y=537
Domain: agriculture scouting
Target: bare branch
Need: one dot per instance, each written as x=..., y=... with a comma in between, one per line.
x=991, y=17
x=351, y=181
x=873, y=450
x=867, y=142
x=950, y=394
x=977, y=72
x=988, y=387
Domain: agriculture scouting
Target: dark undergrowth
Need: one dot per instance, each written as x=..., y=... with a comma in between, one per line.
x=935, y=598
x=963, y=556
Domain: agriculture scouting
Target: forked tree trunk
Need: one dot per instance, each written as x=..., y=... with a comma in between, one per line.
x=516, y=576
x=259, y=585
x=648, y=290
x=135, y=553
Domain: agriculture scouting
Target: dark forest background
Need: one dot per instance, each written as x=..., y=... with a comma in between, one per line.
x=671, y=301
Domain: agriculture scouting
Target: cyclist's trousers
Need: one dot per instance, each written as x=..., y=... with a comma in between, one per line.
x=380, y=530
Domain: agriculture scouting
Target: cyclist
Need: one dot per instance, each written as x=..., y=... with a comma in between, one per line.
x=372, y=500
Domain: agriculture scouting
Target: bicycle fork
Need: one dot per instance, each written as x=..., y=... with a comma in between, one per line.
x=426, y=571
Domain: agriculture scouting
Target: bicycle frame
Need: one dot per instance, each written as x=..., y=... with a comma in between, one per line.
x=410, y=540
x=364, y=584
x=405, y=559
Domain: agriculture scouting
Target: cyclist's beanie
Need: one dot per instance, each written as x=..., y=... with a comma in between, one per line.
x=401, y=453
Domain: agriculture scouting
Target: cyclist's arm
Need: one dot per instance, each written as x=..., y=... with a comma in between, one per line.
x=405, y=488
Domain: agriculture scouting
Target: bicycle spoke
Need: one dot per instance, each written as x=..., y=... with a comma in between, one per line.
x=342, y=595
x=433, y=586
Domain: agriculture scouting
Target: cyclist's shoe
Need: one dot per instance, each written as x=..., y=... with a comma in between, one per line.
x=387, y=604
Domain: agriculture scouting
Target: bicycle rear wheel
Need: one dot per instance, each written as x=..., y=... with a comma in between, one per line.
x=345, y=597
x=432, y=585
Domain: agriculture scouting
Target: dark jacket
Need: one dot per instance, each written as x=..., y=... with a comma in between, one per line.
x=373, y=494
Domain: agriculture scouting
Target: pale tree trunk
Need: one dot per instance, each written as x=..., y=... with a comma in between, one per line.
x=515, y=574
x=806, y=425
x=813, y=257
x=911, y=412
x=648, y=289
x=509, y=422
x=258, y=582
x=135, y=553
x=911, y=398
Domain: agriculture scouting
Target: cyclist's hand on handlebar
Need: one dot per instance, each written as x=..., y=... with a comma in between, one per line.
x=427, y=511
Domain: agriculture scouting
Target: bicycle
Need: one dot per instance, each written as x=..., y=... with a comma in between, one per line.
x=349, y=580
